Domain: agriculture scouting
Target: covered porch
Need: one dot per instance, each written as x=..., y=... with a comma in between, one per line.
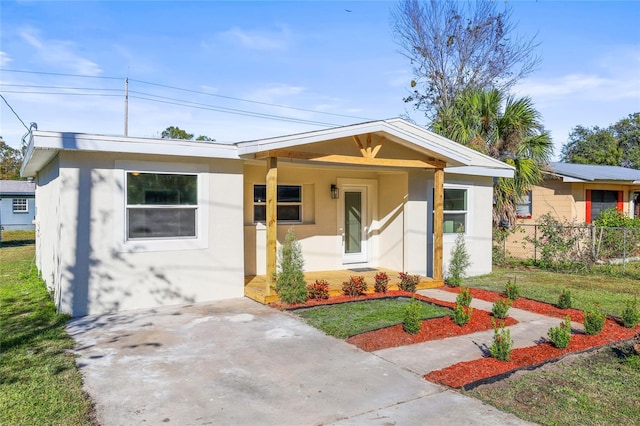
x=255, y=286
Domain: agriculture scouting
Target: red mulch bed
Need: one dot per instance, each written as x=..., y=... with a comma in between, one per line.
x=468, y=374
x=525, y=304
x=471, y=373
x=432, y=329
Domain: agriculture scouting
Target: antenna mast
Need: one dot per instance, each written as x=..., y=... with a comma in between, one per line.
x=126, y=106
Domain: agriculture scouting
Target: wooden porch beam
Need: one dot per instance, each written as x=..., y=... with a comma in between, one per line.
x=272, y=228
x=438, y=219
x=424, y=163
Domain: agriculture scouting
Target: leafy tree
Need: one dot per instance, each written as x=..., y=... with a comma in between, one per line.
x=592, y=146
x=506, y=129
x=10, y=162
x=454, y=45
x=172, y=132
x=617, y=145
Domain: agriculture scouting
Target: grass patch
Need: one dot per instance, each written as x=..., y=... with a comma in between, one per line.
x=609, y=291
x=598, y=388
x=346, y=319
x=17, y=238
x=38, y=377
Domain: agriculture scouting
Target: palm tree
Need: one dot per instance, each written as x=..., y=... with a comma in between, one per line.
x=514, y=135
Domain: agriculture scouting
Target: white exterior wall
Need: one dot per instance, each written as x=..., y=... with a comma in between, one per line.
x=478, y=238
x=95, y=275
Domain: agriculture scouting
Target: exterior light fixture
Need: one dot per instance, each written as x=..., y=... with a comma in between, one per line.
x=335, y=194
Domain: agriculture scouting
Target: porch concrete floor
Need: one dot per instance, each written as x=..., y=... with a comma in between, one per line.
x=255, y=286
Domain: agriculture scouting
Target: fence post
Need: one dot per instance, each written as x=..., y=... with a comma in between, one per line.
x=593, y=241
x=624, y=250
x=535, y=245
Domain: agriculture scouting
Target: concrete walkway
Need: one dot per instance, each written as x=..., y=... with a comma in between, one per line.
x=423, y=358
x=237, y=362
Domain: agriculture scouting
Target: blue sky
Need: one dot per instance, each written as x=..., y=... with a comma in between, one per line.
x=315, y=60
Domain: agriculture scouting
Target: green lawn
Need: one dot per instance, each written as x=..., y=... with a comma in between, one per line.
x=346, y=319
x=611, y=292
x=39, y=382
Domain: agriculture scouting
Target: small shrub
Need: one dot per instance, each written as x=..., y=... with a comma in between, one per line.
x=561, y=336
x=412, y=314
x=356, y=286
x=290, y=284
x=408, y=282
x=464, y=298
x=500, y=308
x=511, y=290
x=564, y=301
x=318, y=290
x=462, y=314
x=502, y=343
x=459, y=262
x=381, y=282
x=631, y=314
x=594, y=320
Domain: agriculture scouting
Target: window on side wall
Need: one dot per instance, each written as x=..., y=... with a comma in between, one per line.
x=20, y=205
x=524, y=206
x=455, y=210
x=289, y=203
x=601, y=200
x=161, y=205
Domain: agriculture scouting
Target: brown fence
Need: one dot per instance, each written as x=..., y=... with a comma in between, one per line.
x=570, y=243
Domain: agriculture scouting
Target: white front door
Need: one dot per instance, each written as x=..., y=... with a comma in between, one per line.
x=354, y=224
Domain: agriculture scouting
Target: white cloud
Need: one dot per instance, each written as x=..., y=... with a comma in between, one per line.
x=259, y=40
x=275, y=93
x=60, y=53
x=4, y=59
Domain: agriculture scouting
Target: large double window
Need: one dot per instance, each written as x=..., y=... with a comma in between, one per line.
x=289, y=203
x=161, y=205
x=601, y=200
x=455, y=210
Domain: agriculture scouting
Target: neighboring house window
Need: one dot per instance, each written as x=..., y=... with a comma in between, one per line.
x=599, y=201
x=161, y=205
x=524, y=206
x=20, y=205
x=289, y=204
x=455, y=210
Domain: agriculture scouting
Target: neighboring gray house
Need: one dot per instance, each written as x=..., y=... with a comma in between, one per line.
x=17, y=204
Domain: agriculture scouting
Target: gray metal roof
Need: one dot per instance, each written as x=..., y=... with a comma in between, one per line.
x=592, y=172
x=17, y=187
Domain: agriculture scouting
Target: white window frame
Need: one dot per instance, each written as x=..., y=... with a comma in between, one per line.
x=264, y=203
x=20, y=205
x=125, y=244
x=465, y=212
x=529, y=204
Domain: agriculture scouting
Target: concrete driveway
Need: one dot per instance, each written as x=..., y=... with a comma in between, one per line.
x=237, y=362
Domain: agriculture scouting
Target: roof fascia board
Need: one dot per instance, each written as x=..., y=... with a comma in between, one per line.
x=400, y=136
x=99, y=143
x=480, y=171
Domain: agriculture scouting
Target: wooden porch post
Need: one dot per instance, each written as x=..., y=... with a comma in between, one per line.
x=438, y=218
x=272, y=228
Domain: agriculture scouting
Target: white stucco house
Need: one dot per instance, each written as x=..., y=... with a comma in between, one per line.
x=125, y=222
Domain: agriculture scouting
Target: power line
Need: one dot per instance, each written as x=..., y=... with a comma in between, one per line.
x=194, y=91
x=13, y=111
x=57, y=87
x=60, y=93
x=248, y=100
x=61, y=74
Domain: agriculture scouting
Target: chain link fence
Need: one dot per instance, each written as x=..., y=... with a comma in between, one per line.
x=568, y=244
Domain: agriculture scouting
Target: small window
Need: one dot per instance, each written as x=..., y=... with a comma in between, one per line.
x=455, y=210
x=161, y=205
x=289, y=204
x=524, y=206
x=20, y=205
